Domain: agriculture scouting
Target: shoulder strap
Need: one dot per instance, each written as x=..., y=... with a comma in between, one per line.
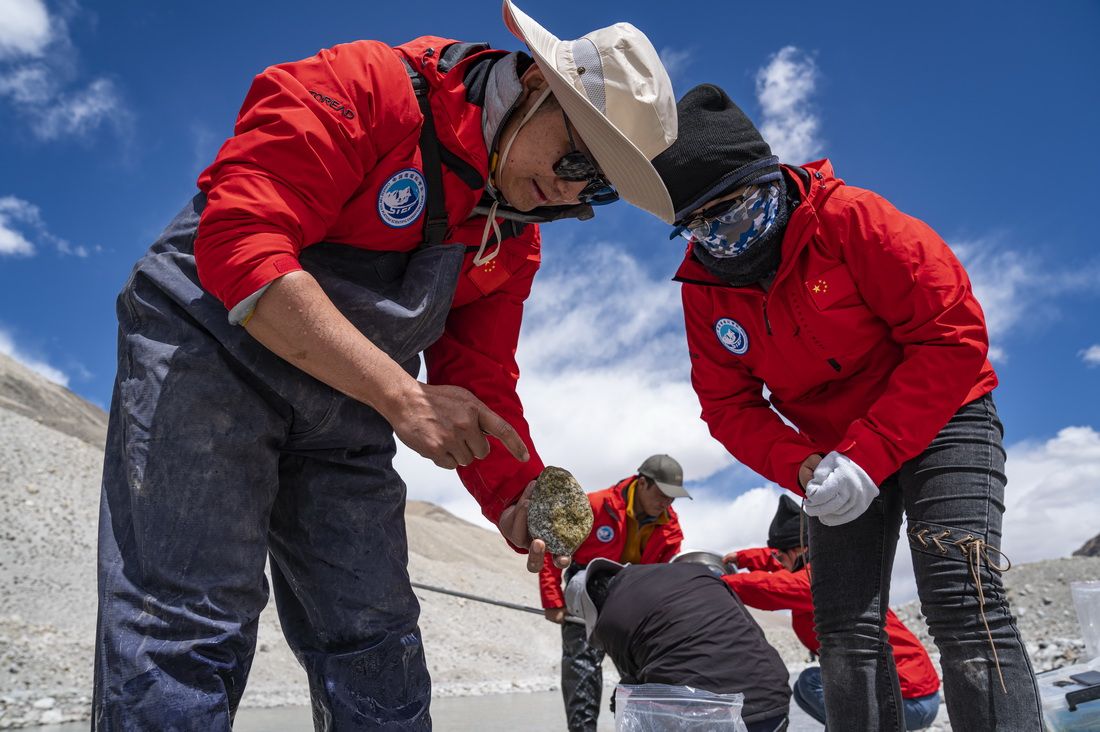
x=435, y=223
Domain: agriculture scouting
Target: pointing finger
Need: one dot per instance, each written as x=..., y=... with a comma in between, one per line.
x=492, y=424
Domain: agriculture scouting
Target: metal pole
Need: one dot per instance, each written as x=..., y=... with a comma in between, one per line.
x=489, y=601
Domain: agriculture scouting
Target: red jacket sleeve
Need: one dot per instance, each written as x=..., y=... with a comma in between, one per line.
x=911, y=280
x=760, y=558
x=294, y=160
x=779, y=590
x=733, y=403
x=550, y=591
x=477, y=351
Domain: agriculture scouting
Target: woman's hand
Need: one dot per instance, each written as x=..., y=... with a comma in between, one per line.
x=513, y=527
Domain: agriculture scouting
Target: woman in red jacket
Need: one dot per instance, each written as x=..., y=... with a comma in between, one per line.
x=862, y=325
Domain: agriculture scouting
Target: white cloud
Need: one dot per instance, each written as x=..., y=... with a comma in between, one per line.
x=1050, y=503
x=712, y=522
x=41, y=80
x=1016, y=289
x=21, y=225
x=675, y=60
x=34, y=363
x=16, y=214
x=1091, y=355
x=783, y=88
x=77, y=113
x=25, y=28
x=605, y=379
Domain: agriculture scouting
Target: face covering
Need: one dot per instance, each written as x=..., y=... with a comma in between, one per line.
x=738, y=224
x=745, y=248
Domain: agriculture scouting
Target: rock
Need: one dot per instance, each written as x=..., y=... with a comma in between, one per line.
x=46, y=702
x=559, y=513
x=1090, y=548
x=51, y=716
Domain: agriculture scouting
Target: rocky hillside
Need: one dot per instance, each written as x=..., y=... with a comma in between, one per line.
x=1040, y=599
x=28, y=394
x=1090, y=548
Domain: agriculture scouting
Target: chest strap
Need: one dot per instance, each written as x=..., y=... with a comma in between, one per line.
x=435, y=222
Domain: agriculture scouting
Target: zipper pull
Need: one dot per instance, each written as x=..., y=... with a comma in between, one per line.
x=767, y=323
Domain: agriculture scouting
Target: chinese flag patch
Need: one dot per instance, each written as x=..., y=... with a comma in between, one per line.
x=489, y=276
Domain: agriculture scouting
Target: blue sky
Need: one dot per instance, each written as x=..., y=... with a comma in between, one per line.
x=978, y=117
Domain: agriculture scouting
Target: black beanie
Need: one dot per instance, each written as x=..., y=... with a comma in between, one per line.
x=717, y=150
x=786, y=529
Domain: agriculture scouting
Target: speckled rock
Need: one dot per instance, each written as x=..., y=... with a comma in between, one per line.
x=559, y=513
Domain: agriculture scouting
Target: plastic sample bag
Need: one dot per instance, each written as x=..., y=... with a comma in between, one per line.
x=665, y=708
x=1071, y=697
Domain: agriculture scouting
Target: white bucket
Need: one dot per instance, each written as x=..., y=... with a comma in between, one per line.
x=1086, y=598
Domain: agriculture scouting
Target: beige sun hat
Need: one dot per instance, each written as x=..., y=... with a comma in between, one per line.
x=615, y=90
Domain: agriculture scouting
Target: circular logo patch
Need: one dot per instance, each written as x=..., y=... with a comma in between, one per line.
x=605, y=534
x=402, y=198
x=732, y=336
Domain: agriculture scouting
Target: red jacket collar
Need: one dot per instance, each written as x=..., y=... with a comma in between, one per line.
x=615, y=502
x=801, y=226
x=457, y=120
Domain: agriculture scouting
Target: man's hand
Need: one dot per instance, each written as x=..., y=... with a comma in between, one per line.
x=554, y=614
x=806, y=471
x=513, y=526
x=730, y=560
x=840, y=490
x=448, y=425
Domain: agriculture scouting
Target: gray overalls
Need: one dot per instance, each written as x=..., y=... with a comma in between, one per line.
x=219, y=455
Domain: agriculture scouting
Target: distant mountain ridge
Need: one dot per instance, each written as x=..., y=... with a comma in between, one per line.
x=24, y=392
x=1090, y=548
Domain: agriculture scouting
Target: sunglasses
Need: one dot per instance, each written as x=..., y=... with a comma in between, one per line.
x=575, y=166
x=728, y=228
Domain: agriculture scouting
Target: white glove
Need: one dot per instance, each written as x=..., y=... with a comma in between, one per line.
x=840, y=490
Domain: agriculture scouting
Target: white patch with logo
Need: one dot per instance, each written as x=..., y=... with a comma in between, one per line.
x=402, y=198
x=732, y=336
x=605, y=534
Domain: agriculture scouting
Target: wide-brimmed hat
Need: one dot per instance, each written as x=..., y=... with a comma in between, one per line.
x=616, y=93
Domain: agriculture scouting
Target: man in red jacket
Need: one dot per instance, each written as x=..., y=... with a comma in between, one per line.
x=373, y=203
x=778, y=578
x=860, y=325
x=633, y=523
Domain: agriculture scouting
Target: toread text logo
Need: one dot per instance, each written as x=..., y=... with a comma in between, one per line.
x=605, y=534
x=402, y=198
x=732, y=336
x=344, y=110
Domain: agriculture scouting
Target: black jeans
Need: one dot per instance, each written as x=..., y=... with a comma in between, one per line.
x=953, y=497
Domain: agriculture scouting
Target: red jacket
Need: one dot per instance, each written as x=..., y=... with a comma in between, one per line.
x=608, y=539
x=767, y=586
x=315, y=146
x=869, y=339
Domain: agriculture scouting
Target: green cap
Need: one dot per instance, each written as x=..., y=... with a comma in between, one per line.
x=666, y=473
